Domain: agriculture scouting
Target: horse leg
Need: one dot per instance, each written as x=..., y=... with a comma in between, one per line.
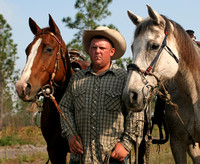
x=194, y=153
x=179, y=149
x=57, y=151
x=57, y=146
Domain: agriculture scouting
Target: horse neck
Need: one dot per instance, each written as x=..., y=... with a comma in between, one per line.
x=188, y=75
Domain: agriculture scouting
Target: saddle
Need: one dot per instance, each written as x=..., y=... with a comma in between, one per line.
x=78, y=63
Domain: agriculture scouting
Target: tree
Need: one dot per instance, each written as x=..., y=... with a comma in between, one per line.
x=8, y=74
x=90, y=14
x=123, y=62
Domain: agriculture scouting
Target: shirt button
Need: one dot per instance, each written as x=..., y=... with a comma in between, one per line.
x=95, y=102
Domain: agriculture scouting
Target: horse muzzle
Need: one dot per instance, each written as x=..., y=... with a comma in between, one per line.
x=133, y=100
x=24, y=91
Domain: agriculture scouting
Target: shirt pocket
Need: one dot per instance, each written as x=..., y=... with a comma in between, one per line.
x=112, y=101
x=79, y=99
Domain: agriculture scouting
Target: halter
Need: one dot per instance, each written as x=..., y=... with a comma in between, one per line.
x=143, y=74
x=147, y=71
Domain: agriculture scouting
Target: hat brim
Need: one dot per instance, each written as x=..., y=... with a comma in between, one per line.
x=114, y=36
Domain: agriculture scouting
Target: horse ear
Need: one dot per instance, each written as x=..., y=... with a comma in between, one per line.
x=33, y=26
x=134, y=18
x=154, y=15
x=53, y=26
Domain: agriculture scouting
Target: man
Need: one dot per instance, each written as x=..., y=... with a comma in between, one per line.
x=191, y=34
x=93, y=104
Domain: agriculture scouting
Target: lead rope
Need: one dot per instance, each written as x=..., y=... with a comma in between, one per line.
x=166, y=96
x=149, y=136
x=137, y=134
x=66, y=121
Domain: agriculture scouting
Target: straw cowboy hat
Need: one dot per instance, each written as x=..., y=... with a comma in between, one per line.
x=114, y=36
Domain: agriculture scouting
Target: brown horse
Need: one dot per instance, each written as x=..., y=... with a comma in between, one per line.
x=48, y=66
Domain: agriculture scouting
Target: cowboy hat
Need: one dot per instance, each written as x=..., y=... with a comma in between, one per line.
x=114, y=36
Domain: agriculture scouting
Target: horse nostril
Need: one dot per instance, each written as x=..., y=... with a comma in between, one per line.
x=27, y=89
x=134, y=96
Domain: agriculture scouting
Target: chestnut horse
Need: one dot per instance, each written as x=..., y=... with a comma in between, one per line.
x=163, y=53
x=48, y=67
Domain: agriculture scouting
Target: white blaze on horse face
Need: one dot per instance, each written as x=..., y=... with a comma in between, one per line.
x=22, y=83
x=27, y=69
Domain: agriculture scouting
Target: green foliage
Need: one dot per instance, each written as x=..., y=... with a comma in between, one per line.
x=11, y=136
x=8, y=52
x=10, y=141
x=90, y=14
x=123, y=62
x=10, y=105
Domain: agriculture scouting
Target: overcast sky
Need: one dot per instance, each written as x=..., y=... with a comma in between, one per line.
x=17, y=13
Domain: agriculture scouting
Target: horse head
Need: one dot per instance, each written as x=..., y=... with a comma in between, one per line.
x=155, y=57
x=47, y=61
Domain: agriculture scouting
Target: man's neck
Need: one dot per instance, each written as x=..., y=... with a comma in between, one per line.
x=99, y=70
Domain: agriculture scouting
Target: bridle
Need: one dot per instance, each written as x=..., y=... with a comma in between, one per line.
x=48, y=89
x=134, y=67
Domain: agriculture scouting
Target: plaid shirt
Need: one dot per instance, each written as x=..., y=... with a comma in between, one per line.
x=93, y=105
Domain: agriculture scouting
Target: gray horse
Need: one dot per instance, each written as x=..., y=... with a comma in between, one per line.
x=163, y=52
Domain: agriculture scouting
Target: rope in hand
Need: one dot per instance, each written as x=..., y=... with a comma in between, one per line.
x=64, y=117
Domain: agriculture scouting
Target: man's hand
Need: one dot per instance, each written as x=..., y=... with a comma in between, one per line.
x=119, y=153
x=75, y=145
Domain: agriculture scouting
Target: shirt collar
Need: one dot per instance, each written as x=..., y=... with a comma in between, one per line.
x=111, y=69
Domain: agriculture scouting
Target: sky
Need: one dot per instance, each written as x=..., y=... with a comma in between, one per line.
x=17, y=13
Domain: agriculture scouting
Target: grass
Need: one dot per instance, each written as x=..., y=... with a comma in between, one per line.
x=12, y=137
x=38, y=158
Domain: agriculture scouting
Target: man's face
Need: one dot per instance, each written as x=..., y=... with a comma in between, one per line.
x=100, y=52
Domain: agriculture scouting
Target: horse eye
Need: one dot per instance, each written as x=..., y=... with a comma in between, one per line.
x=48, y=50
x=154, y=46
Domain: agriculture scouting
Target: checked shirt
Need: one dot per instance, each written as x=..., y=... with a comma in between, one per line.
x=93, y=105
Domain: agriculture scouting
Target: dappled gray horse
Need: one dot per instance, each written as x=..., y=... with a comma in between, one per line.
x=163, y=52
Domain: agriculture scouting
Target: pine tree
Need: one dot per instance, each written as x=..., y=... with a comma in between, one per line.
x=90, y=14
x=8, y=74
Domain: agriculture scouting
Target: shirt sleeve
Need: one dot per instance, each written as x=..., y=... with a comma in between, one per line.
x=67, y=107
